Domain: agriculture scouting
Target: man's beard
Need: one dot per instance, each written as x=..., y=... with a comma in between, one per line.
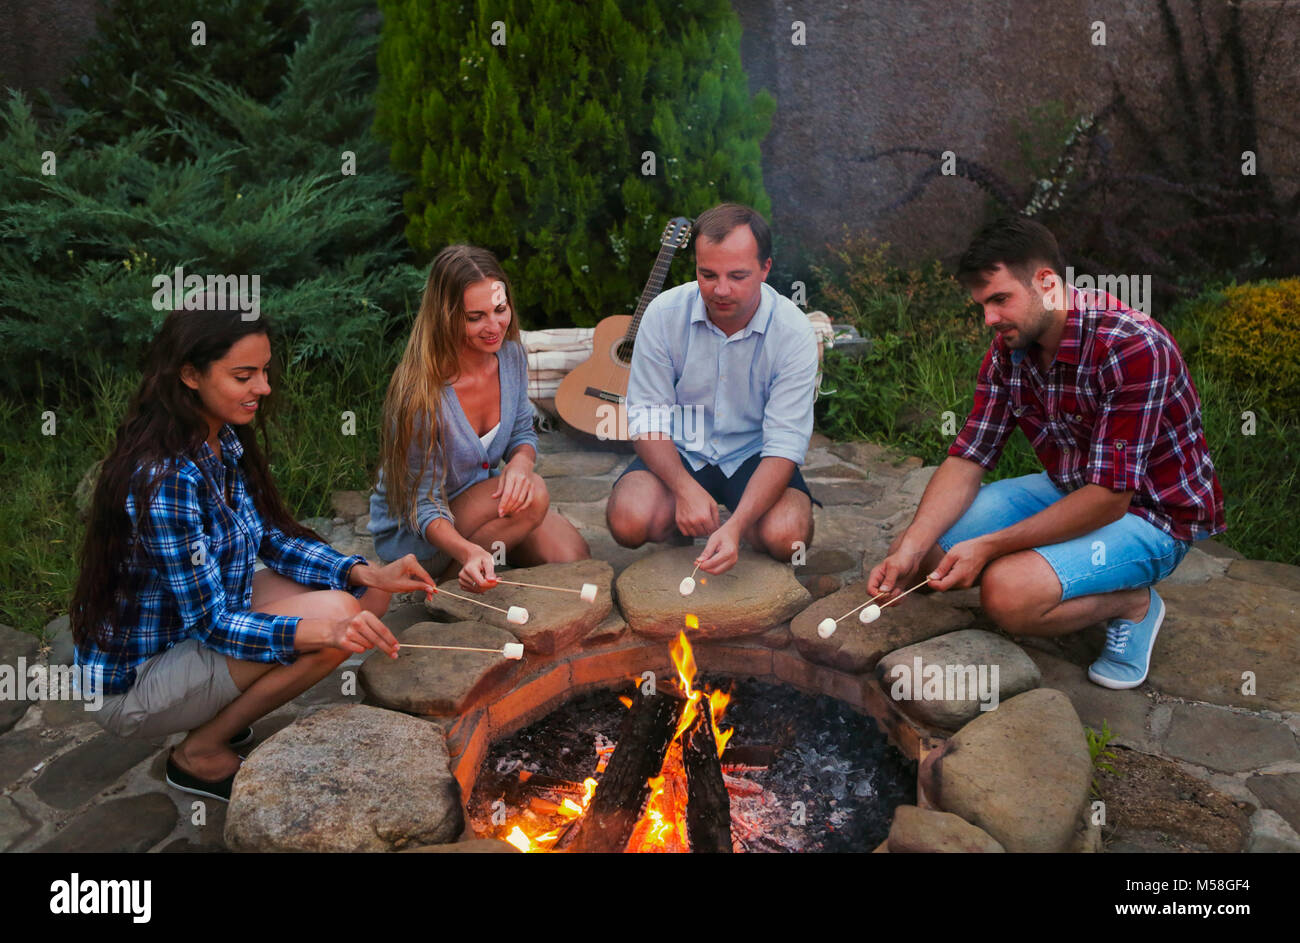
x=1029, y=336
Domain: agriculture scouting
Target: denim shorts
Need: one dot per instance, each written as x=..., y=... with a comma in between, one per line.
x=1128, y=554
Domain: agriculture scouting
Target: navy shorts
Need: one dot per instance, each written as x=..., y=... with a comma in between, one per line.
x=724, y=490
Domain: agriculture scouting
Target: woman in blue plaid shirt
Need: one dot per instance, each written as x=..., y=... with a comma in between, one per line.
x=168, y=615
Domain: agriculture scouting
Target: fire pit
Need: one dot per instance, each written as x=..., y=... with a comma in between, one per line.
x=692, y=765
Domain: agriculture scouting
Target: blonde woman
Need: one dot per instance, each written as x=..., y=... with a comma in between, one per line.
x=457, y=406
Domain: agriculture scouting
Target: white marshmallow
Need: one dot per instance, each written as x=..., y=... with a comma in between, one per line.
x=588, y=593
x=870, y=614
x=826, y=628
x=513, y=650
x=517, y=614
x=686, y=587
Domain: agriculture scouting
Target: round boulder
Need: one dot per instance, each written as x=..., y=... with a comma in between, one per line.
x=754, y=595
x=349, y=778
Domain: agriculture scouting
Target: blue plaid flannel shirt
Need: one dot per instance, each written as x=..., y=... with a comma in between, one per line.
x=196, y=556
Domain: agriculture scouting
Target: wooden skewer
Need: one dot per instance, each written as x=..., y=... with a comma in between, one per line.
x=558, y=589
x=694, y=571
x=451, y=648
x=901, y=595
x=474, y=601
x=858, y=606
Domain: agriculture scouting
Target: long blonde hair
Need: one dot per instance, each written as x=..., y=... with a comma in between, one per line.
x=430, y=362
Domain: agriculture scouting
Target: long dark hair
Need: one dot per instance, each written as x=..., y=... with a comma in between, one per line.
x=163, y=423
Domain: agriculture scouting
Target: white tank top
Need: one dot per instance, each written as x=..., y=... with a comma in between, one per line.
x=487, y=437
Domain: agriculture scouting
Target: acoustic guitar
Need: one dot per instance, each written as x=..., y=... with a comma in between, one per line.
x=593, y=396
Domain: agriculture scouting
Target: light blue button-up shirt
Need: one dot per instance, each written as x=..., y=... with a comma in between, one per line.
x=724, y=398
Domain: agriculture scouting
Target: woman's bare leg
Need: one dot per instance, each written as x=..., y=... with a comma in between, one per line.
x=555, y=541
x=206, y=752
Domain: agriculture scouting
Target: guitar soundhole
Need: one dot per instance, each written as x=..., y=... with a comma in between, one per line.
x=623, y=352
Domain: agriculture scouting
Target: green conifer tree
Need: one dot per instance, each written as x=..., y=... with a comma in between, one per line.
x=563, y=136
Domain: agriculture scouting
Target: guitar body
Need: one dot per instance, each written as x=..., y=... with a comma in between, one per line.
x=593, y=396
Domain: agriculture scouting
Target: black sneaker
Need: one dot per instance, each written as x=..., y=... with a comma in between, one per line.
x=243, y=738
x=179, y=779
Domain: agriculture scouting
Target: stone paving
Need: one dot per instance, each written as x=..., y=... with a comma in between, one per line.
x=1207, y=755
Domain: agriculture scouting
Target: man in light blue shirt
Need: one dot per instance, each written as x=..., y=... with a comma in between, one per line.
x=720, y=405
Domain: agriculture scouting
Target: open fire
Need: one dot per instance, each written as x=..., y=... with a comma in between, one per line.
x=691, y=764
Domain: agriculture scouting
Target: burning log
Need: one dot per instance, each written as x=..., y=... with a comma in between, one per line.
x=708, y=804
x=642, y=742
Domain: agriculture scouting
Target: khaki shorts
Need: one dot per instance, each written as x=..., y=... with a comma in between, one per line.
x=174, y=691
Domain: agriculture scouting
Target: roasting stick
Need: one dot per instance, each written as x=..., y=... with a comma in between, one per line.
x=512, y=650
x=588, y=591
x=826, y=628
x=516, y=614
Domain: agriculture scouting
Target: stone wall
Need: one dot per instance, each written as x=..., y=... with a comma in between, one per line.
x=945, y=74
x=957, y=75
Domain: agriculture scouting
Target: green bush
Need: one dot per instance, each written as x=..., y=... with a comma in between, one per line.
x=1254, y=342
x=533, y=145
x=135, y=71
x=265, y=194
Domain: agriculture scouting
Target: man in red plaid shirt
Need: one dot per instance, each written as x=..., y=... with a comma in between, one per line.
x=1103, y=395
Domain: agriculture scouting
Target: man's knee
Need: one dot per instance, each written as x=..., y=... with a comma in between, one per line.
x=1007, y=599
x=630, y=514
x=784, y=531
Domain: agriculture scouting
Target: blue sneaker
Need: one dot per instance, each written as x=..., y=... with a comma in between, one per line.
x=1127, y=658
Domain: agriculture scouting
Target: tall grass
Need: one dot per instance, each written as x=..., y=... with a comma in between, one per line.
x=40, y=532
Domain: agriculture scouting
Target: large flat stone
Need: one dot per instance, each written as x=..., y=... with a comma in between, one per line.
x=1021, y=772
x=579, y=489
x=82, y=773
x=1153, y=805
x=15, y=645
x=14, y=825
x=1197, y=567
x=926, y=831
x=58, y=638
x=857, y=647
x=350, y=778
x=1215, y=632
x=1281, y=793
x=827, y=560
x=976, y=671
x=556, y=621
x=561, y=464
x=877, y=459
x=1270, y=834
x=754, y=595
x=1266, y=573
x=1228, y=741
x=840, y=493
x=131, y=825
x=1124, y=713
x=21, y=750
x=435, y=682
x=834, y=471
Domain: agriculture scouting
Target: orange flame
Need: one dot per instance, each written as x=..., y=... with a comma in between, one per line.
x=627, y=701
x=692, y=621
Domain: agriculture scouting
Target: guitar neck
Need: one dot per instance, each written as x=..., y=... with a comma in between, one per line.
x=652, y=286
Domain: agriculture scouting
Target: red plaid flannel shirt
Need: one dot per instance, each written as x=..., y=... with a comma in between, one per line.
x=1116, y=408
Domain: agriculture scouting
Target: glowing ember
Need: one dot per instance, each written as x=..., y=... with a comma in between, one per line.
x=692, y=622
x=626, y=701
x=662, y=828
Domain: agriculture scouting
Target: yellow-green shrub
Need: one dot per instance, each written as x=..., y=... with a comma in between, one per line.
x=1255, y=341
